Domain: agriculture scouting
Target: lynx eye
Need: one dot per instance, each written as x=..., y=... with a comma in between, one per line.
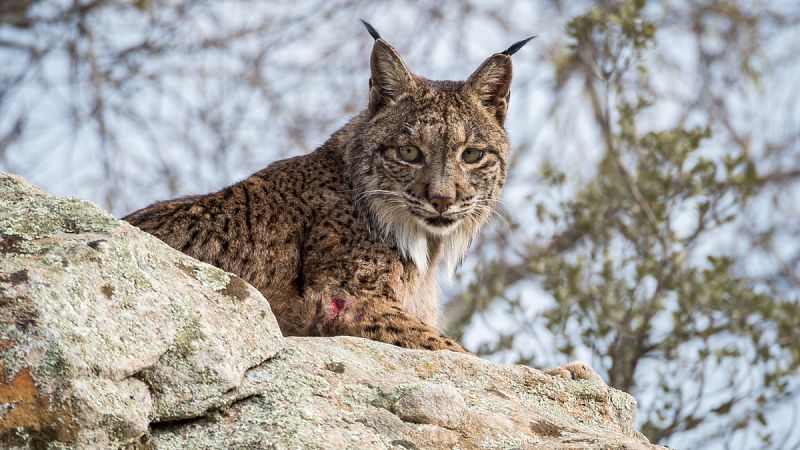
x=472, y=155
x=409, y=153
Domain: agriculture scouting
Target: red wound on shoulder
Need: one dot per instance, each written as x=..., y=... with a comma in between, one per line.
x=339, y=305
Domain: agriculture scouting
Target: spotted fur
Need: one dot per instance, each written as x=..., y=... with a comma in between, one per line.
x=346, y=240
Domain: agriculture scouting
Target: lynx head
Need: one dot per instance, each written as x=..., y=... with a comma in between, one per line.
x=429, y=158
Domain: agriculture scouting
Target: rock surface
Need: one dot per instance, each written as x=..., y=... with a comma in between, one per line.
x=111, y=339
x=104, y=329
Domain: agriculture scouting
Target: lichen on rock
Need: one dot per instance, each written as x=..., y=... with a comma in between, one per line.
x=211, y=277
x=31, y=217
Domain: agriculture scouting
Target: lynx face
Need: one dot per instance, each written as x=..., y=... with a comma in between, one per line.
x=431, y=158
x=438, y=159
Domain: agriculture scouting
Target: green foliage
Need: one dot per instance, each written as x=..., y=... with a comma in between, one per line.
x=635, y=271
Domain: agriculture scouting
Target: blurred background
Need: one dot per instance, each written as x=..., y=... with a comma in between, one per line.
x=651, y=218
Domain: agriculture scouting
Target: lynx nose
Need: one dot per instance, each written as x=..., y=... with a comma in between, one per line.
x=441, y=203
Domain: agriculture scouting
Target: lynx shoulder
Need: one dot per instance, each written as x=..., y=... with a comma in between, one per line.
x=347, y=240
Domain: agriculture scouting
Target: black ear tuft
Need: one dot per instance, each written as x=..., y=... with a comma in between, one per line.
x=371, y=30
x=510, y=50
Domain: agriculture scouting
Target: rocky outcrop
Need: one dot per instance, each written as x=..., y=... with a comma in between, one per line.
x=105, y=330
x=111, y=339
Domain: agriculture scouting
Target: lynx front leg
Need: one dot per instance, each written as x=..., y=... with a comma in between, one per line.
x=379, y=320
x=393, y=325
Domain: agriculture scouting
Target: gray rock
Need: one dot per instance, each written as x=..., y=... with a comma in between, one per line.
x=104, y=329
x=436, y=404
x=376, y=399
x=110, y=339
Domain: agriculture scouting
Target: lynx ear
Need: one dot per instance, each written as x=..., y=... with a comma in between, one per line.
x=389, y=75
x=491, y=82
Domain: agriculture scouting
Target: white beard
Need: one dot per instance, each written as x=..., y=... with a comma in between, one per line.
x=413, y=238
x=456, y=244
x=412, y=241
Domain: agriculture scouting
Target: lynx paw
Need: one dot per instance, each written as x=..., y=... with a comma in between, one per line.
x=576, y=370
